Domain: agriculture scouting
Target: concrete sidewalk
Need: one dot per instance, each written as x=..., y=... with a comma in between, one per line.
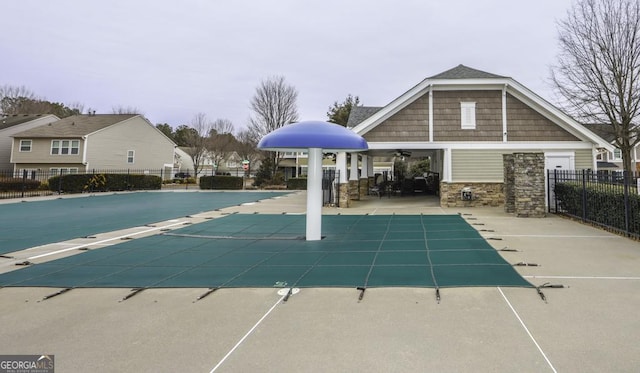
x=589, y=325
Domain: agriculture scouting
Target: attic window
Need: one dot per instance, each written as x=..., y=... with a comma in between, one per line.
x=468, y=115
x=130, y=156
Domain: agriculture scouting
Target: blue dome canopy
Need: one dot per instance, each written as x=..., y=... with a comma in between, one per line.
x=329, y=137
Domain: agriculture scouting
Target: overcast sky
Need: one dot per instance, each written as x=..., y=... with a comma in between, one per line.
x=173, y=59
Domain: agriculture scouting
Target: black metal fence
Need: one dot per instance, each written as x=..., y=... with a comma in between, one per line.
x=607, y=199
x=33, y=183
x=331, y=187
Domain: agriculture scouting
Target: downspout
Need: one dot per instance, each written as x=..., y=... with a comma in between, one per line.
x=430, y=113
x=85, y=141
x=504, y=113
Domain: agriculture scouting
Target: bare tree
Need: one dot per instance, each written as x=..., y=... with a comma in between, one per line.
x=221, y=141
x=274, y=105
x=21, y=100
x=77, y=106
x=599, y=67
x=126, y=110
x=13, y=99
x=196, y=141
x=247, y=148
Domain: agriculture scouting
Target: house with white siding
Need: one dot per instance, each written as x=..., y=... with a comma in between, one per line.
x=464, y=120
x=12, y=124
x=83, y=143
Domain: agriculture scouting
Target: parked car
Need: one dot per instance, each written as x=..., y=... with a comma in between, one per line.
x=182, y=175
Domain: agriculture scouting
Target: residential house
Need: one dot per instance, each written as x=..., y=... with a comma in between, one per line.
x=12, y=124
x=232, y=164
x=295, y=164
x=83, y=143
x=464, y=120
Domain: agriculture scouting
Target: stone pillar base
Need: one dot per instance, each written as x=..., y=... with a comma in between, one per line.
x=364, y=187
x=343, y=200
x=354, y=191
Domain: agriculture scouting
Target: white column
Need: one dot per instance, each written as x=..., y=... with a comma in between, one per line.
x=341, y=166
x=354, y=167
x=446, y=166
x=370, y=166
x=365, y=167
x=314, y=195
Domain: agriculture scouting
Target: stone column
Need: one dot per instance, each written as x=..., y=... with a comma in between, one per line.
x=364, y=176
x=343, y=185
x=509, y=181
x=529, y=184
x=354, y=190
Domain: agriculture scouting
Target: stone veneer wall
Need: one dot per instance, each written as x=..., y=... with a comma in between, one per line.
x=509, y=183
x=354, y=190
x=343, y=200
x=364, y=187
x=529, y=186
x=484, y=194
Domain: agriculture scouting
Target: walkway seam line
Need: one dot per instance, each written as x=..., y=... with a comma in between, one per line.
x=247, y=335
x=585, y=277
x=527, y=330
x=103, y=241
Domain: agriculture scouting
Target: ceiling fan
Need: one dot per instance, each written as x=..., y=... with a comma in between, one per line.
x=402, y=153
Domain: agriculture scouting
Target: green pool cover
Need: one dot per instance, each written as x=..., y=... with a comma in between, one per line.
x=268, y=251
x=30, y=224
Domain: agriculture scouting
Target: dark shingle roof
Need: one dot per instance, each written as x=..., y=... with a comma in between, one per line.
x=15, y=119
x=602, y=164
x=360, y=113
x=75, y=126
x=603, y=130
x=464, y=72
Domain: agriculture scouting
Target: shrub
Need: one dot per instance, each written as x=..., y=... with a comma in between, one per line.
x=603, y=206
x=16, y=183
x=297, y=183
x=221, y=182
x=78, y=183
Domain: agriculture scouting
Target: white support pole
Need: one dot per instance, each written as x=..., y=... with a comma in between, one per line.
x=365, y=167
x=314, y=195
x=353, y=170
x=341, y=166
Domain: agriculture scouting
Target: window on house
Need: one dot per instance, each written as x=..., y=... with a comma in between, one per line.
x=25, y=145
x=468, y=115
x=130, y=156
x=617, y=154
x=55, y=171
x=65, y=147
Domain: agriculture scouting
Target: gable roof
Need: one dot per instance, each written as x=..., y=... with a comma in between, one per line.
x=75, y=126
x=7, y=121
x=360, y=113
x=464, y=72
x=463, y=77
x=603, y=130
